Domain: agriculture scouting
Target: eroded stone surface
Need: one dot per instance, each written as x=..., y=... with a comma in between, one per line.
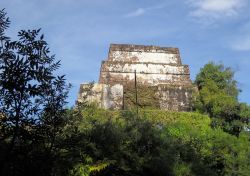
x=105, y=96
x=155, y=66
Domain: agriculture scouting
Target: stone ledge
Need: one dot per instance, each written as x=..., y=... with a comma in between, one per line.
x=145, y=56
x=146, y=63
x=146, y=68
x=138, y=48
x=146, y=73
x=163, y=87
x=147, y=79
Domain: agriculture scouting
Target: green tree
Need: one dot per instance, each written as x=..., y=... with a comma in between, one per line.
x=221, y=76
x=32, y=101
x=218, y=97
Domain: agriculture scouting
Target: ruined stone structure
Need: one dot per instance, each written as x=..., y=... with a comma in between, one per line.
x=158, y=69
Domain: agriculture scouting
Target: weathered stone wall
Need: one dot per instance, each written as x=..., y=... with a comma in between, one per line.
x=144, y=67
x=140, y=53
x=90, y=93
x=147, y=97
x=144, y=78
x=105, y=96
x=155, y=67
x=112, y=96
x=174, y=97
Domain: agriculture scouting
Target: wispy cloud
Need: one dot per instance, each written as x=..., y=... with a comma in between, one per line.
x=141, y=11
x=212, y=10
x=137, y=12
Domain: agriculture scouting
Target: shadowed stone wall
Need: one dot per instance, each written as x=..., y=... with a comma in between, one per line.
x=158, y=67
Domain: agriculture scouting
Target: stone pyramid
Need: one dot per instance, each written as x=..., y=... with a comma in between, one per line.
x=153, y=67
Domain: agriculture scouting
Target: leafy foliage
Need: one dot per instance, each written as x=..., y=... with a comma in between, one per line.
x=157, y=143
x=32, y=101
x=217, y=97
x=221, y=76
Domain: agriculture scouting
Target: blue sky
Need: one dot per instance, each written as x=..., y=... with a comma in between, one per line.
x=79, y=32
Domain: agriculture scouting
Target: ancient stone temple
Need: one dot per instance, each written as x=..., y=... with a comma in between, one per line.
x=145, y=76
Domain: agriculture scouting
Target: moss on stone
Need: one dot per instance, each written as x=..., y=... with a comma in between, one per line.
x=146, y=95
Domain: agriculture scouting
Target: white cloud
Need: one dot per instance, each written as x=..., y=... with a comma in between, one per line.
x=215, y=9
x=137, y=12
x=141, y=11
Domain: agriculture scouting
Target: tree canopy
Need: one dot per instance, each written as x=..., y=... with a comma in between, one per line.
x=222, y=77
x=32, y=101
x=218, y=97
x=154, y=143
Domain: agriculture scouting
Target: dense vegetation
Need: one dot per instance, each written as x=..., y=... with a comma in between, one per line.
x=218, y=97
x=38, y=136
x=32, y=101
x=155, y=143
